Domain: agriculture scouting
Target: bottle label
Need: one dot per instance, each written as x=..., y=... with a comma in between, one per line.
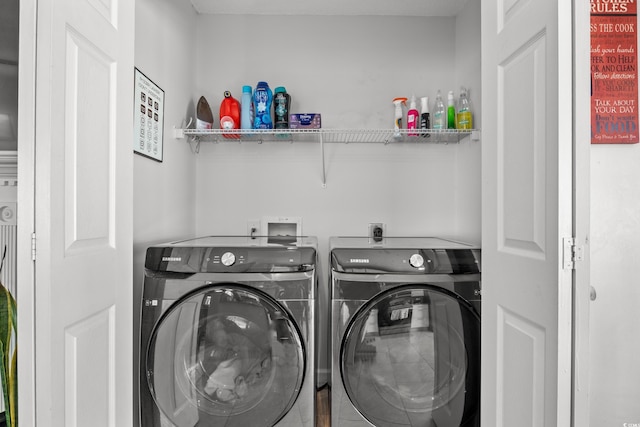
x=201, y=124
x=464, y=120
x=280, y=107
x=262, y=101
x=438, y=120
x=425, y=123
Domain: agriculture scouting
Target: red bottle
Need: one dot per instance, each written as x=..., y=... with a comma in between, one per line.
x=230, y=115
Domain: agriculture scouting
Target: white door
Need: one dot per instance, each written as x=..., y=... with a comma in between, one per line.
x=83, y=213
x=526, y=213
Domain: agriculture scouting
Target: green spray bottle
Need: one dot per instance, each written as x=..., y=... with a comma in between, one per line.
x=451, y=111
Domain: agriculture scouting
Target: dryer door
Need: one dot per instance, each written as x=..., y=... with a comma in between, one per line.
x=411, y=357
x=225, y=355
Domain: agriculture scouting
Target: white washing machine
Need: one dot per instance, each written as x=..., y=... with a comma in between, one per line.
x=405, y=333
x=227, y=333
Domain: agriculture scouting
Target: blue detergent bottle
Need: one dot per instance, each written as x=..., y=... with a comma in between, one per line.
x=262, y=99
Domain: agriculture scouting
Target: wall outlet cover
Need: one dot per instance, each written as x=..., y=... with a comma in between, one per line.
x=376, y=232
x=253, y=228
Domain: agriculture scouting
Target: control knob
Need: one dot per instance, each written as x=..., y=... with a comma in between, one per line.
x=416, y=260
x=228, y=259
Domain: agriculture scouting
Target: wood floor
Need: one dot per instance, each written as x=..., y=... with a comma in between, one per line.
x=322, y=406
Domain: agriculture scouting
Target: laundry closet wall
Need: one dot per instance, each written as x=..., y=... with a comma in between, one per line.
x=348, y=68
x=164, y=193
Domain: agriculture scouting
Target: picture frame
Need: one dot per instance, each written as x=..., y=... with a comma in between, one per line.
x=148, y=117
x=614, y=73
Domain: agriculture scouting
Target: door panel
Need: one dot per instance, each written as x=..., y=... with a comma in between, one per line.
x=521, y=151
x=88, y=94
x=83, y=216
x=90, y=339
x=527, y=210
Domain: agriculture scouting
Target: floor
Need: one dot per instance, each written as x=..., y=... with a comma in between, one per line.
x=322, y=402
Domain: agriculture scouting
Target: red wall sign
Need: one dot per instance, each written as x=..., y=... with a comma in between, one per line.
x=614, y=72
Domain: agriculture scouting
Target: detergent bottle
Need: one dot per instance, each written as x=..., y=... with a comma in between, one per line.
x=397, y=124
x=229, y=115
x=262, y=98
x=281, y=105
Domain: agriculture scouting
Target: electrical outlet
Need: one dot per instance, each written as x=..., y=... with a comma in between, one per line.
x=253, y=228
x=376, y=232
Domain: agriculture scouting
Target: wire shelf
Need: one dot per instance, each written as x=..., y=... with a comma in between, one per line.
x=322, y=136
x=347, y=136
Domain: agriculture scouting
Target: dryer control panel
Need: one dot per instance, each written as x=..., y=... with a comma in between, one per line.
x=230, y=259
x=406, y=261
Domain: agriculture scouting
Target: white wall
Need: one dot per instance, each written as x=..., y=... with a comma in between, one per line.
x=467, y=50
x=164, y=193
x=416, y=190
x=615, y=255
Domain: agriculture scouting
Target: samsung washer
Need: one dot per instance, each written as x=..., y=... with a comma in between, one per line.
x=405, y=333
x=227, y=333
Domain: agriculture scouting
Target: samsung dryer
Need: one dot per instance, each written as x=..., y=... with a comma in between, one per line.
x=227, y=333
x=405, y=333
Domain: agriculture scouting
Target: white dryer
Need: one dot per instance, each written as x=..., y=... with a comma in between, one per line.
x=405, y=333
x=227, y=333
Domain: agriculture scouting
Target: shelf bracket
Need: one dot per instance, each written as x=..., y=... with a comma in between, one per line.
x=178, y=133
x=324, y=172
x=194, y=144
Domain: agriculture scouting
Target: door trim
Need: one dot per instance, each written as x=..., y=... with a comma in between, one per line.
x=581, y=220
x=26, y=218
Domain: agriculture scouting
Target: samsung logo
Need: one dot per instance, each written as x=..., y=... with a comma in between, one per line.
x=171, y=258
x=359, y=261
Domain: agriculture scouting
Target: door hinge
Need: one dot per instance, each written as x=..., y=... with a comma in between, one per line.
x=571, y=253
x=33, y=246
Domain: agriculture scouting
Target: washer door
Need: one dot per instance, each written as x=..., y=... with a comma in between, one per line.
x=225, y=355
x=411, y=357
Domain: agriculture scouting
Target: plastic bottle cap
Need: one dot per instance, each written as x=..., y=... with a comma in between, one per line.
x=413, y=102
x=424, y=101
x=246, y=89
x=280, y=89
x=450, y=96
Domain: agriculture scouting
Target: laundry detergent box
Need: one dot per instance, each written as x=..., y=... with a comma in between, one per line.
x=305, y=121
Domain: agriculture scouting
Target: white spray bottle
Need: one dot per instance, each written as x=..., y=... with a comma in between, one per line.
x=398, y=102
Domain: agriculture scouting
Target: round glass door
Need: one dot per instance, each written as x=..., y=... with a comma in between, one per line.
x=225, y=355
x=411, y=357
